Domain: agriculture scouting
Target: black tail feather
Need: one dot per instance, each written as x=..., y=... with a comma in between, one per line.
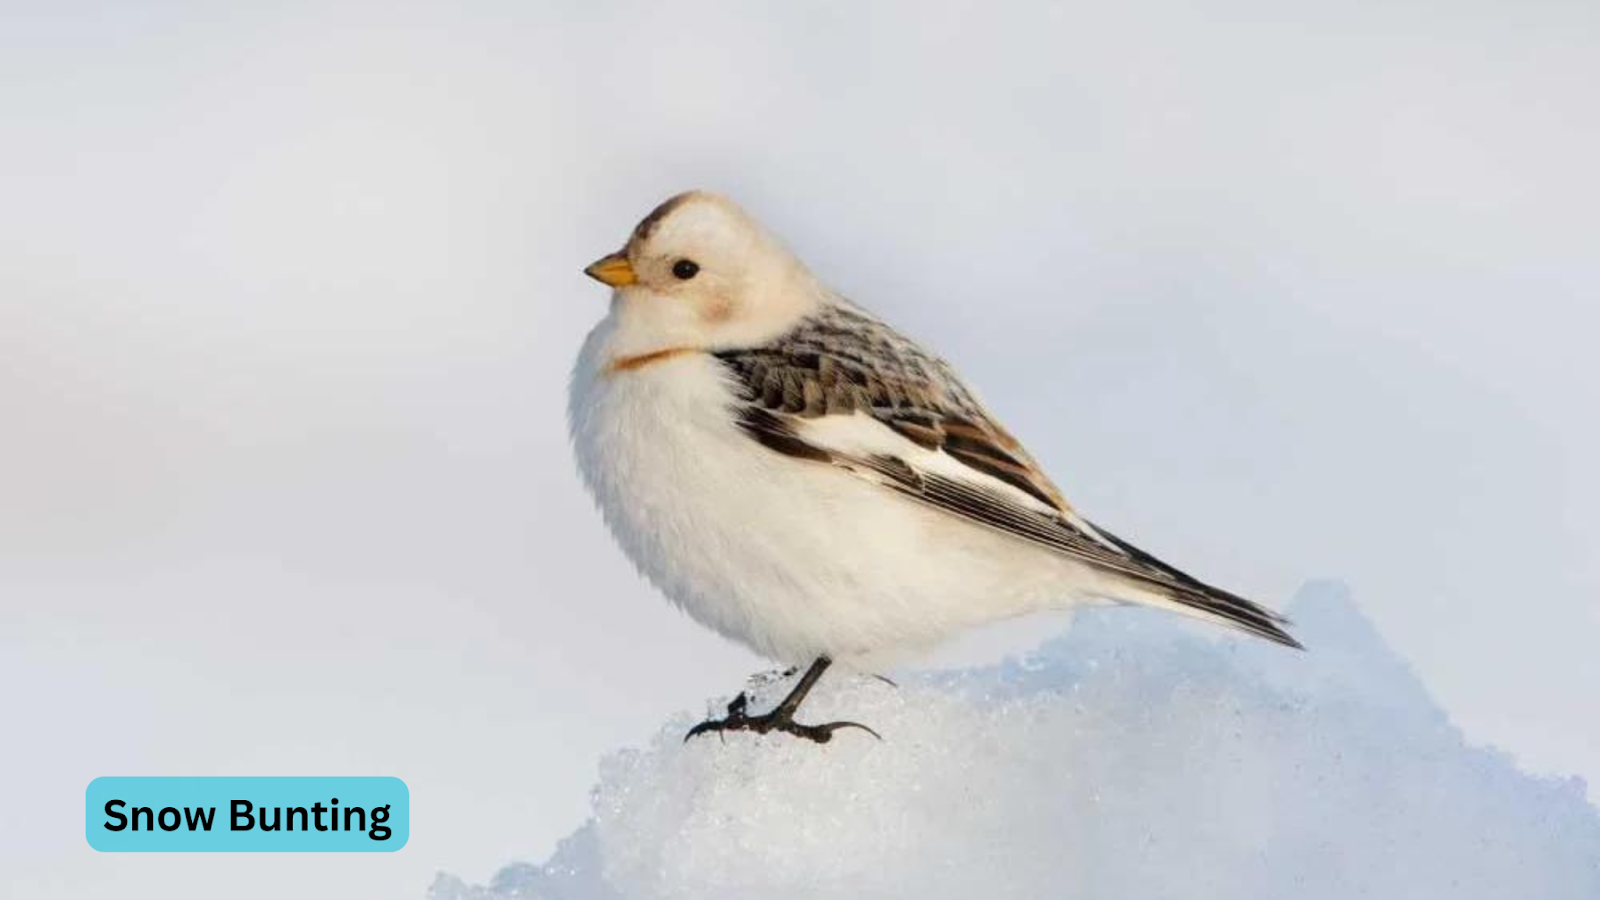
x=1209, y=601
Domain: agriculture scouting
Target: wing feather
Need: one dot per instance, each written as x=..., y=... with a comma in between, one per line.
x=842, y=365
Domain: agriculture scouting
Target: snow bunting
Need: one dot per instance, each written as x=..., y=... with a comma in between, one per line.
x=798, y=476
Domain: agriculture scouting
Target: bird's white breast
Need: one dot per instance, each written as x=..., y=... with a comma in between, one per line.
x=792, y=557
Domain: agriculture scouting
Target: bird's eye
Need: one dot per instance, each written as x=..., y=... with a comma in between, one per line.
x=685, y=269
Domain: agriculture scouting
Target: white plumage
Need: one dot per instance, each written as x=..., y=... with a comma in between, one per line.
x=794, y=560
x=811, y=491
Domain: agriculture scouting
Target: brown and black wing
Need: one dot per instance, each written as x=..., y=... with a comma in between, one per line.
x=843, y=362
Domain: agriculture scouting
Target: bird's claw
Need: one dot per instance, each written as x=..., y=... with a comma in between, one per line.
x=779, y=719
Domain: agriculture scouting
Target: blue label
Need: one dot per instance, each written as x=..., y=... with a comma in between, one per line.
x=252, y=815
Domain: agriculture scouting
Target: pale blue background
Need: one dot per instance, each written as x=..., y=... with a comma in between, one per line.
x=289, y=293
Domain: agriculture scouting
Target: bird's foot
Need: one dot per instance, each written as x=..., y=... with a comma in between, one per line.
x=780, y=719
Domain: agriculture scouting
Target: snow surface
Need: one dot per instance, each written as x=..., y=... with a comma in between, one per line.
x=1132, y=758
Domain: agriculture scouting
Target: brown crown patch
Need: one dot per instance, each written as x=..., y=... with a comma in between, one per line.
x=641, y=232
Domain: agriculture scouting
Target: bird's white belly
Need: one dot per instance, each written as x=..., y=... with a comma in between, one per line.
x=794, y=558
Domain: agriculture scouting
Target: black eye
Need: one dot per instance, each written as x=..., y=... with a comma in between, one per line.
x=685, y=269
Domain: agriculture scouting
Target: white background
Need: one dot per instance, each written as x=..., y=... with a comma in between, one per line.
x=288, y=299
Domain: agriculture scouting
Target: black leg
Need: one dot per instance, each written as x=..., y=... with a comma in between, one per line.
x=781, y=718
x=797, y=695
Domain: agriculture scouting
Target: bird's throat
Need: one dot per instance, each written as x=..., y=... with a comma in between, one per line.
x=640, y=360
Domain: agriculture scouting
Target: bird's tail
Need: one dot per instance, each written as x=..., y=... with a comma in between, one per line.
x=1183, y=593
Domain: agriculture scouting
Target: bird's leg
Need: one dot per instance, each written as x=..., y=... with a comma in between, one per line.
x=781, y=718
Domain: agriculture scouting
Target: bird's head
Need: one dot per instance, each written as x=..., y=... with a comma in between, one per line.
x=698, y=272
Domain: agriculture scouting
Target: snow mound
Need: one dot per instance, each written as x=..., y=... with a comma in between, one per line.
x=1133, y=757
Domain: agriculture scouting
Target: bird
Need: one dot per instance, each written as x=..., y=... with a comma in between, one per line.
x=799, y=476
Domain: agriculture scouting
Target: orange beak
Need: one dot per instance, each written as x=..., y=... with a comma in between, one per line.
x=612, y=269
